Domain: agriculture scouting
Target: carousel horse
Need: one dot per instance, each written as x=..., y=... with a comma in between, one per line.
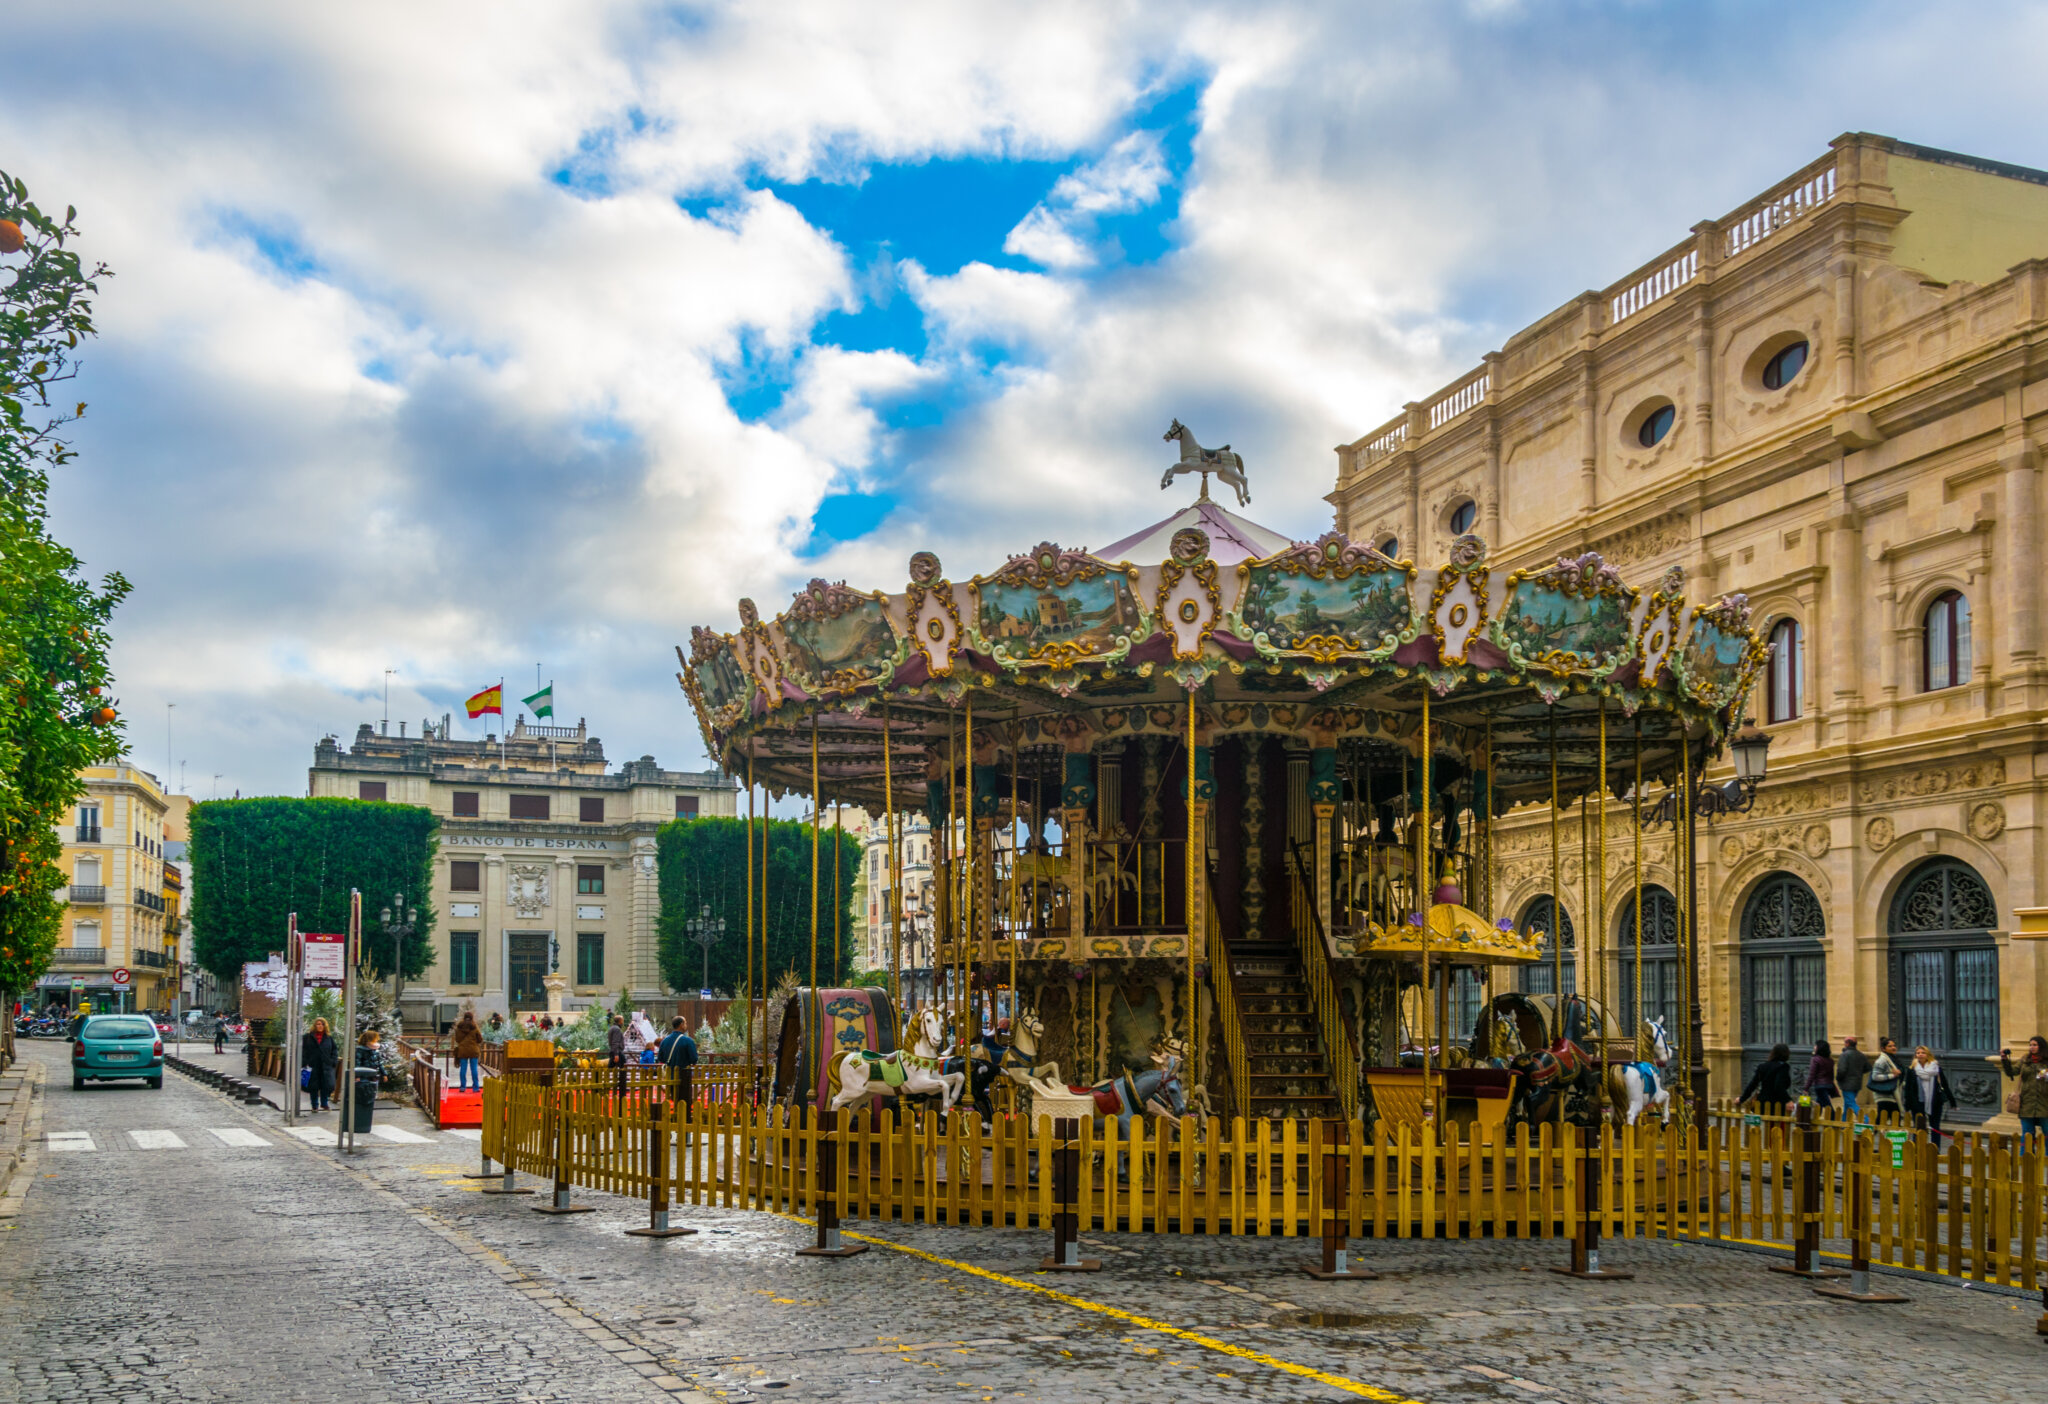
x=1643, y=1083
x=1153, y=1092
x=859, y=1074
x=1196, y=459
x=1019, y=1060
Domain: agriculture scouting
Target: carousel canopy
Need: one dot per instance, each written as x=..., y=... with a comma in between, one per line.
x=1328, y=641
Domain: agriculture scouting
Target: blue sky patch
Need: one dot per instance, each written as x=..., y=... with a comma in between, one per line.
x=846, y=516
x=943, y=213
x=276, y=244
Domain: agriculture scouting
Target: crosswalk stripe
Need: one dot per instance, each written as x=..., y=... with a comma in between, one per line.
x=158, y=1140
x=393, y=1133
x=468, y=1133
x=237, y=1136
x=318, y=1135
x=71, y=1141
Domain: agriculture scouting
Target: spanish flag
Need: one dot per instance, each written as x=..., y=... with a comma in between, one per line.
x=491, y=699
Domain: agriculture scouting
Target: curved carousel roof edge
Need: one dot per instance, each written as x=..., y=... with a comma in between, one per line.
x=1328, y=641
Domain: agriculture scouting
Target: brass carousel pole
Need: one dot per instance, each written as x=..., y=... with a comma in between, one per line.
x=1638, y=865
x=970, y=1023
x=895, y=838
x=1681, y=849
x=747, y=992
x=1187, y=905
x=1016, y=859
x=816, y=801
x=1424, y=888
x=1556, y=901
x=1598, y=901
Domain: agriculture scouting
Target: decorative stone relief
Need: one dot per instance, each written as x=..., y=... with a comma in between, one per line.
x=1987, y=820
x=1793, y=799
x=1879, y=833
x=1940, y=780
x=1814, y=840
x=1731, y=852
x=526, y=888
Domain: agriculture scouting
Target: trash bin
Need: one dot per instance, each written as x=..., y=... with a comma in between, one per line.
x=369, y=1074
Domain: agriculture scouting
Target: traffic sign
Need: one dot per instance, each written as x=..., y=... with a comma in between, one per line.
x=121, y=975
x=324, y=959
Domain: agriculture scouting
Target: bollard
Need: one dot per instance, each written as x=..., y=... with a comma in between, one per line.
x=1066, y=1194
x=560, y=1122
x=1807, y=1150
x=1337, y=1265
x=1858, y=1289
x=1586, y=1242
x=657, y=1173
x=829, y=1244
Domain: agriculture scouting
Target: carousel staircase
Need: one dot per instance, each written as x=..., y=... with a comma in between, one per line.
x=1289, y=1076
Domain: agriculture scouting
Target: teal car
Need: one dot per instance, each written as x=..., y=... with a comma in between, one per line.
x=117, y=1045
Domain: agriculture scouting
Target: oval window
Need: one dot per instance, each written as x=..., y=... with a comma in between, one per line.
x=1463, y=515
x=1783, y=366
x=1656, y=424
x=1391, y=547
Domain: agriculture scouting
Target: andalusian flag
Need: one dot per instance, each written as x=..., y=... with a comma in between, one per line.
x=542, y=703
x=491, y=699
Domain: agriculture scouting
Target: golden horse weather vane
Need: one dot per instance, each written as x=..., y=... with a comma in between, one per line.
x=1196, y=459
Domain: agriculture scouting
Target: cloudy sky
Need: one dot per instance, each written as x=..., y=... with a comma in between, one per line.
x=455, y=338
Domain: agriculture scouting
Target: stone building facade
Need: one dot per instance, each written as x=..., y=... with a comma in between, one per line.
x=547, y=863
x=115, y=907
x=1831, y=400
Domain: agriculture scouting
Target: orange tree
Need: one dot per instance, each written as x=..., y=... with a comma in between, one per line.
x=56, y=712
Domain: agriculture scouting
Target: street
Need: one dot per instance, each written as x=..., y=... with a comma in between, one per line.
x=174, y=1245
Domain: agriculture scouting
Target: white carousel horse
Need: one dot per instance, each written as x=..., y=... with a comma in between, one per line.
x=1644, y=1084
x=1020, y=1060
x=860, y=1074
x=1196, y=459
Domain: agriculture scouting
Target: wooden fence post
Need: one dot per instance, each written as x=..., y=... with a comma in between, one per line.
x=1066, y=1194
x=509, y=1144
x=657, y=1169
x=824, y=1153
x=1586, y=1240
x=1858, y=1189
x=1337, y=1265
x=558, y=1120
x=1805, y=1146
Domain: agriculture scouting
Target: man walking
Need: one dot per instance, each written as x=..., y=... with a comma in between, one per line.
x=220, y=1033
x=679, y=1053
x=1850, y=1070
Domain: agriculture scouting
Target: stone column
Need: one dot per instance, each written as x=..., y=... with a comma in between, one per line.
x=564, y=899
x=2020, y=547
x=1844, y=624
x=644, y=873
x=493, y=946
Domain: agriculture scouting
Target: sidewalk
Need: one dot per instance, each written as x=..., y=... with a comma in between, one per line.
x=21, y=1088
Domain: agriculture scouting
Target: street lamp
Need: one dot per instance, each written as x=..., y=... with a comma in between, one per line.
x=707, y=931
x=1750, y=749
x=400, y=927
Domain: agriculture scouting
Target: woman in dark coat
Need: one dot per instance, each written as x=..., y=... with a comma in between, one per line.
x=1771, y=1083
x=320, y=1056
x=1820, y=1076
x=1925, y=1089
x=369, y=1076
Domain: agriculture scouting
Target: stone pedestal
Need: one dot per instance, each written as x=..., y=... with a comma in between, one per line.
x=555, y=982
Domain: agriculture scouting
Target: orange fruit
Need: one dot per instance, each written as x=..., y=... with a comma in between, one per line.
x=10, y=237
x=104, y=715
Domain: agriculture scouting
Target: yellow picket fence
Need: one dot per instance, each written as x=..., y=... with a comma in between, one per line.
x=1970, y=1210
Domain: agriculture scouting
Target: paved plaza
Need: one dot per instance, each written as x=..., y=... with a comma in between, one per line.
x=174, y=1245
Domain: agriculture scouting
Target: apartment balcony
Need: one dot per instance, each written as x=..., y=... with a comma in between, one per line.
x=154, y=901
x=86, y=896
x=88, y=833
x=79, y=955
x=154, y=960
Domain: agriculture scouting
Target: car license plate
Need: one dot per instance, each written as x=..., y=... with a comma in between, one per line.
x=120, y=1057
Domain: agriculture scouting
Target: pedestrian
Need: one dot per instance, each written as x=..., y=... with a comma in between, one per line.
x=369, y=1077
x=2032, y=1072
x=1884, y=1082
x=1770, y=1086
x=1850, y=1070
x=1820, y=1075
x=547, y=1025
x=497, y=1022
x=679, y=1052
x=220, y=1033
x=615, y=1042
x=320, y=1056
x=467, y=1044
x=1928, y=1094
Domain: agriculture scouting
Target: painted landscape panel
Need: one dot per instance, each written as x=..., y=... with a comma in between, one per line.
x=1091, y=614
x=1368, y=610
x=1713, y=662
x=858, y=641
x=721, y=679
x=1547, y=625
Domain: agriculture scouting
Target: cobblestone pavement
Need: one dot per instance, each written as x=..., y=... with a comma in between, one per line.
x=210, y=1270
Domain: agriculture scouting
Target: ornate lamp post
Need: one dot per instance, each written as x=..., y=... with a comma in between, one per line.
x=399, y=926
x=707, y=931
x=1751, y=751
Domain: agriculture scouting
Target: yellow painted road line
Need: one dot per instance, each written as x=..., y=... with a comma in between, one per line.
x=1256, y=1357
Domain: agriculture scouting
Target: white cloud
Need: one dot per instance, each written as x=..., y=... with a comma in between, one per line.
x=1058, y=231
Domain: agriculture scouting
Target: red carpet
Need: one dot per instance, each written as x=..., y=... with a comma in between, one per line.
x=462, y=1109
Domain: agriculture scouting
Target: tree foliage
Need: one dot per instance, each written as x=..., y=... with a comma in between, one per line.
x=56, y=713
x=256, y=861
x=704, y=863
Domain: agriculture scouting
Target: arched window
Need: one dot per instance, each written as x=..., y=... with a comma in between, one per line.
x=1784, y=969
x=1390, y=547
x=1463, y=515
x=1788, y=671
x=1660, y=959
x=1946, y=655
x=1542, y=919
x=1944, y=972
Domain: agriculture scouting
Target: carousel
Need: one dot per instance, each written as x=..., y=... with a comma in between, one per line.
x=1214, y=790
